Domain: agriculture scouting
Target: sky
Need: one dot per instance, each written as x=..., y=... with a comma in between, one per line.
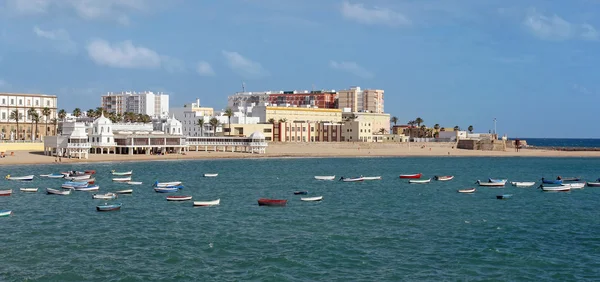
x=531, y=64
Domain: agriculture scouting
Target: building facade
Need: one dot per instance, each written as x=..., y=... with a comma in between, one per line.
x=282, y=114
x=156, y=105
x=374, y=121
x=13, y=103
x=325, y=99
x=358, y=100
x=307, y=132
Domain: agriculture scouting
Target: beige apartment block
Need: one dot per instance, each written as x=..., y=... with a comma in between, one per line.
x=375, y=121
x=307, y=132
x=244, y=130
x=290, y=114
x=359, y=100
x=22, y=103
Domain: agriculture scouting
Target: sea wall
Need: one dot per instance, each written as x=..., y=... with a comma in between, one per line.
x=484, y=145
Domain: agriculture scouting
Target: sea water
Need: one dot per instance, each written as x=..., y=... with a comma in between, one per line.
x=386, y=230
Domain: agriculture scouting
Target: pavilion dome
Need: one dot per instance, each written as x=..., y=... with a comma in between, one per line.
x=102, y=120
x=257, y=135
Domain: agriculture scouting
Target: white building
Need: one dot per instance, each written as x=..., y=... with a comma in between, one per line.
x=156, y=105
x=249, y=99
x=192, y=113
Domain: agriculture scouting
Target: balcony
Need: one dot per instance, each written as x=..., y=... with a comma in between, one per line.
x=79, y=145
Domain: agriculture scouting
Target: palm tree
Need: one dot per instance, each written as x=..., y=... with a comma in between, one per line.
x=470, y=129
x=282, y=120
x=36, y=119
x=77, y=112
x=17, y=116
x=394, y=120
x=411, y=124
x=62, y=114
x=229, y=113
x=456, y=128
x=55, y=123
x=442, y=129
x=46, y=112
x=146, y=118
x=418, y=121
x=201, y=124
x=351, y=117
x=214, y=122
x=436, y=127
x=423, y=131
x=30, y=112
x=271, y=121
x=382, y=130
x=99, y=111
x=90, y=113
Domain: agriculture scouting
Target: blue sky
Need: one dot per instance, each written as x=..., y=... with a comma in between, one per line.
x=530, y=64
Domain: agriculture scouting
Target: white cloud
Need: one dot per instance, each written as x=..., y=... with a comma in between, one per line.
x=351, y=67
x=204, y=69
x=556, y=28
x=373, y=16
x=123, y=55
x=28, y=6
x=244, y=66
x=61, y=38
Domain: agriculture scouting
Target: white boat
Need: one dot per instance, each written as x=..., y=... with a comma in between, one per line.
x=79, y=177
x=325, y=177
x=179, y=198
x=575, y=185
x=126, y=191
x=58, y=192
x=5, y=192
x=312, y=199
x=371, y=177
x=491, y=184
x=207, y=203
x=20, y=178
x=123, y=179
x=88, y=188
x=73, y=185
x=5, y=213
x=125, y=173
x=555, y=188
x=522, y=184
x=107, y=196
x=134, y=183
x=211, y=174
x=419, y=181
x=52, y=175
x=32, y=190
x=470, y=190
x=352, y=179
x=444, y=178
x=166, y=184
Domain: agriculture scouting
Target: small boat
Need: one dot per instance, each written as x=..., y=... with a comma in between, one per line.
x=124, y=173
x=593, y=184
x=73, y=185
x=470, y=190
x=107, y=196
x=5, y=192
x=444, y=178
x=271, y=202
x=312, y=199
x=107, y=207
x=411, y=176
x=300, y=192
x=522, y=184
x=576, y=185
x=20, y=178
x=371, y=177
x=325, y=177
x=546, y=181
x=91, y=181
x=207, y=203
x=555, y=188
x=52, y=175
x=179, y=198
x=496, y=180
x=504, y=197
x=126, y=191
x=30, y=190
x=134, y=183
x=74, y=173
x=165, y=189
x=491, y=184
x=570, y=179
x=87, y=188
x=90, y=171
x=211, y=174
x=58, y=192
x=4, y=213
x=123, y=179
x=79, y=177
x=418, y=181
x=165, y=184
x=351, y=179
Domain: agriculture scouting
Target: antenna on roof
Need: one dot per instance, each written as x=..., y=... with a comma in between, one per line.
x=313, y=87
x=243, y=87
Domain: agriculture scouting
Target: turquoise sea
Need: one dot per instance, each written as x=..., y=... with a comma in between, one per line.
x=385, y=230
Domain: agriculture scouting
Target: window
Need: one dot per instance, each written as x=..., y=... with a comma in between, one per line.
x=12, y=101
x=37, y=102
x=47, y=103
x=102, y=129
x=267, y=138
x=3, y=115
x=3, y=101
x=312, y=128
x=267, y=130
x=287, y=138
x=20, y=102
x=292, y=138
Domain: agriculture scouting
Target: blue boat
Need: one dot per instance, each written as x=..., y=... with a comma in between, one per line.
x=496, y=180
x=546, y=181
x=300, y=192
x=174, y=186
x=107, y=207
x=166, y=189
x=504, y=197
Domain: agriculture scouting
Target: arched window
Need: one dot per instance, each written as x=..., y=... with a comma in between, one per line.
x=102, y=129
x=108, y=130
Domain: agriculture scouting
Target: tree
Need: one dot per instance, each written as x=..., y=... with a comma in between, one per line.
x=90, y=113
x=418, y=121
x=77, y=112
x=423, y=131
x=17, y=116
x=442, y=129
x=271, y=121
x=229, y=113
x=99, y=111
x=351, y=117
x=62, y=114
x=55, y=123
x=456, y=128
x=382, y=130
x=394, y=120
x=30, y=112
x=282, y=120
x=214, y=122
x=436, y=127
x=36, y=119
x=470, y=129
x=201, y=124
x=46, y=113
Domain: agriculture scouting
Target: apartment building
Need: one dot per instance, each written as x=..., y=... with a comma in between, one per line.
x=156, y=105
x=20, y=104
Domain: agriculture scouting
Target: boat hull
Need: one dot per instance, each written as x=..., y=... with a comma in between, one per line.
x=312, y=199
x=466, y=191
x=134, y=183
x=556, y=188
x=127, y=191
x=20, y=178
x=300, y=192
x=272, y=202
x=5, y=192
x=207, y=203
x=327, y=177
x=179, y=198
x=4, y=213
x=356, y=179
x=503, y=197
x=491, y=184
x=411, y=176
x=165, y=190
x=415, y=181
x=106, y=208
x=107, y=196
x=444, y=178
x=522, y=184
x=211, y=174
x=29, y=190
x=51, y=191
x=593, y=184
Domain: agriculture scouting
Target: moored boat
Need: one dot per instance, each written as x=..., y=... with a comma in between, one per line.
x=325, y=177
x=312, y=199
x=593, y=184
x=166, y=189
x=411, y=176
x=504, y=197
x=73, y=185
x=371, y=177
x=551, y=181
x=53, y=175
x=124, y=173
x=126, y=191
x=122, y=179
x=20, y=178
x=207, y=203
x=491, y=184
x=134, y=183
x=106, y=196
x=570, y=179
x=497, y=180
x=165, y=184
x=179, y=198
x=555, y=188
x=469, y=190
x=84, y=177
x=300, y=192
x=522, y=184
x=87, y=188
x=89, y=171
x=271, y=202
x=444, y=178
x=351, y=179
x=211, y=174
x=419, y=181
x=30, y=190
x=4, y=213
x=51, y=191
x=107, y=207
x=6, y=192
x=576, y=185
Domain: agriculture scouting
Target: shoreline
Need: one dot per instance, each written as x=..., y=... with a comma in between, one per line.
x=307, y=150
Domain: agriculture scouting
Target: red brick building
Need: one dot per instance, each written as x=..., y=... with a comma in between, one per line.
x=321, y=99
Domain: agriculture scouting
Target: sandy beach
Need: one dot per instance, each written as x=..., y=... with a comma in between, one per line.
x=309, y=150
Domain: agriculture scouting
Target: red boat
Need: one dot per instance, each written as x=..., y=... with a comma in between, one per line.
x=271, y=202
x=411, y=176
x=90, y=172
